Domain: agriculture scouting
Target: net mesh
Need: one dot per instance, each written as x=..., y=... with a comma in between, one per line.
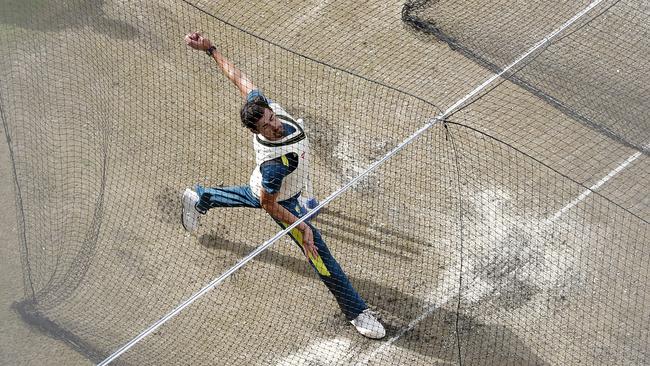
x=515, y=232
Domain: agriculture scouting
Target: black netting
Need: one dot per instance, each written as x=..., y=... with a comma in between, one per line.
x=591, y=72
x=513, y=230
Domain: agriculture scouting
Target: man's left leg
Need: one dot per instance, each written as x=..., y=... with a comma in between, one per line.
x=196, y=202
x=330, y=272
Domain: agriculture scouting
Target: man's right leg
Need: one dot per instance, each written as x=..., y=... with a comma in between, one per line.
x=198, y=201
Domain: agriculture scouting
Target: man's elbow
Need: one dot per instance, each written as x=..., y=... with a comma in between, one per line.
x=267, y=202
x=266, y=205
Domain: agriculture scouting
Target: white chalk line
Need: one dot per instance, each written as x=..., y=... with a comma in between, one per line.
x=427, y=311
x=597, y=185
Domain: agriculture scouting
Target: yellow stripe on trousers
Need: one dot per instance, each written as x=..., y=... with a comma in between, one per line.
x=317, y=261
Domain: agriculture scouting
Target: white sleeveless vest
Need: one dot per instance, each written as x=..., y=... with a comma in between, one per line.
x=298, y=180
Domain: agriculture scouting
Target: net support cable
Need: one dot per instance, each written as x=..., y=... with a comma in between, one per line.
x=430, y=123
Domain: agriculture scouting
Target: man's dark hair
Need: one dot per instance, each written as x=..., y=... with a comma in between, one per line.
x=252, y=111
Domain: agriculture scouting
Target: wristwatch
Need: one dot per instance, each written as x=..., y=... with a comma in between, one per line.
x=210, y=50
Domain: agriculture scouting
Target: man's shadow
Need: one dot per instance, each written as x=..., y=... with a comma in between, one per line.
x=435, y=335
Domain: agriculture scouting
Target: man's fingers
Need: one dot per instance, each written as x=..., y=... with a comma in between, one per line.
x=308, y=241
x=192, y=39
x=310, y=249
x=313, y=250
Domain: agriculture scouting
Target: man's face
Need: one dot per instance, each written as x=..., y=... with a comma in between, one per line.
x=270, y=126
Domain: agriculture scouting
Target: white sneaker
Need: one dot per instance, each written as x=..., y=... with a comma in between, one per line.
x=190, y=216
x=368, y=325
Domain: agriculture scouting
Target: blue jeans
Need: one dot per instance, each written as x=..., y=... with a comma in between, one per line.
x=326, y=267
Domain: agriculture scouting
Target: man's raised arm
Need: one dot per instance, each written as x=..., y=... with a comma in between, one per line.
x=241, y=80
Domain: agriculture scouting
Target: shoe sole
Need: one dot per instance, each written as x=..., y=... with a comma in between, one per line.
x=183, y=214
x=370, y=335
x=182, y=217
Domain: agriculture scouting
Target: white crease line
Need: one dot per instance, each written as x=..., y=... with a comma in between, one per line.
x=591, y=189
x=450, y=288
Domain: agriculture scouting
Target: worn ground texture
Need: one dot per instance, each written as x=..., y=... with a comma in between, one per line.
x=483, y=232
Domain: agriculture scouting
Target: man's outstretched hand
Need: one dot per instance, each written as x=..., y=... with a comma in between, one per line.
x=308, y=240
x=197, y=41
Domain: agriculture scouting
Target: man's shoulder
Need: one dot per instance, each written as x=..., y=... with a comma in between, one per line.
x=278, y=109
